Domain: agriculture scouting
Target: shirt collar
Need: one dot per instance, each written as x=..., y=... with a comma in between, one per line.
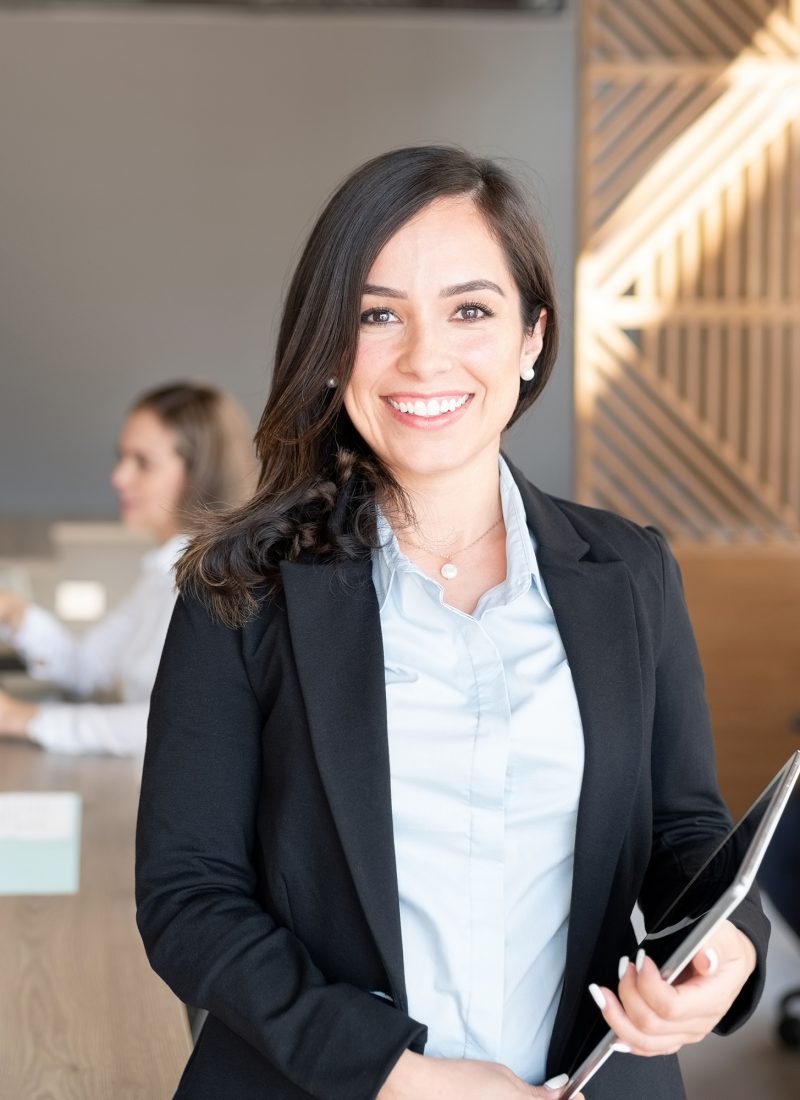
x=520, y=540
x=163, y=559
x=522, y=565
x=387, y=560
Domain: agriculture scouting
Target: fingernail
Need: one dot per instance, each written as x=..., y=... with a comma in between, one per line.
x=598, y=997
x=641, y=955
x=557, y=1082
x=713, y=960
x=621, y=1048
x=624, y=963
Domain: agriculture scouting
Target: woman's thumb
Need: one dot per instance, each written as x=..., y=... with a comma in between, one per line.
x=706, y=962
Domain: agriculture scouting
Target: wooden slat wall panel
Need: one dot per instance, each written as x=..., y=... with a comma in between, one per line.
x=688, y=296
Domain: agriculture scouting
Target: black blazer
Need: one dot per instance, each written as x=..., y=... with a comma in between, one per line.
x=266, y=880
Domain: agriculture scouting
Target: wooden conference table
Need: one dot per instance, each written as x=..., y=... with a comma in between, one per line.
x=82, y=1015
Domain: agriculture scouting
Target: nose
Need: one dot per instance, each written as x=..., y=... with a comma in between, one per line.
x=424, y=353
x=120, y=475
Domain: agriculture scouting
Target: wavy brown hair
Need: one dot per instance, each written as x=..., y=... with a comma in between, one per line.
x=319, y=480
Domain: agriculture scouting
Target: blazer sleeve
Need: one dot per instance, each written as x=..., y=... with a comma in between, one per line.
x=203, y=928
x=689, y=815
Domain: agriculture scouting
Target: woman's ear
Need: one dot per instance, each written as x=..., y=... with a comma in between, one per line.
x=534, y=340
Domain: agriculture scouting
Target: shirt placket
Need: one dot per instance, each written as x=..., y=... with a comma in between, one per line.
x=486, y=859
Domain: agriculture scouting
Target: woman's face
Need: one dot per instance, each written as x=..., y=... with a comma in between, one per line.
x=441, y=344
x=150, y=475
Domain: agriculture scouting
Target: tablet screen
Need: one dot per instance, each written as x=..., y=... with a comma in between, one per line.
x=719, y=872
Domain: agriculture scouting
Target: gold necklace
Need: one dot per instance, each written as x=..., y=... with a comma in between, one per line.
x=448, y=569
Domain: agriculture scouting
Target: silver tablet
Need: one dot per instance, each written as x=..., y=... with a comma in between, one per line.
x=709, y=899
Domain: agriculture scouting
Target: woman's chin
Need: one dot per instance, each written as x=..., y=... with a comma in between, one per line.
x=135, y=523
x=432, y=463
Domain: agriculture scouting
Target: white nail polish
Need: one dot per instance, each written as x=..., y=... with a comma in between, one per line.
x=624, y=963
x=713, y=960
x=621, y=1048
x=597, y=996
x=557, y=1082
x=640, y=957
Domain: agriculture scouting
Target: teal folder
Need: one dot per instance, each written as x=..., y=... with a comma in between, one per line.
x=40, y=842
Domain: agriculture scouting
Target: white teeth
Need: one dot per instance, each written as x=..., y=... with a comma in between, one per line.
x=435, y=407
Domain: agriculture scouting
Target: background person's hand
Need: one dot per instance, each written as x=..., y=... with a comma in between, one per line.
x=12, y=609
x=15, y=716
x=416, y=1077
x=651, y=1017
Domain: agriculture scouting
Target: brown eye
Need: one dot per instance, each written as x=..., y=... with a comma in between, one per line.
x=472, y=311
x=378, y=316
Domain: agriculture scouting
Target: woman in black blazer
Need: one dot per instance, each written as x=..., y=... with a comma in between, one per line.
x=276, y=880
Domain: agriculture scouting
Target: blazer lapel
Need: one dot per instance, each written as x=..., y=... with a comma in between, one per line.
x=334, y=624
x=593, y=604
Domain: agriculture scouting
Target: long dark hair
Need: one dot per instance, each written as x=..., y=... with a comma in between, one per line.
x=319, y=480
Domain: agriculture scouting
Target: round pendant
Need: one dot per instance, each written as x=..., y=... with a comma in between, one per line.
x=449, y=571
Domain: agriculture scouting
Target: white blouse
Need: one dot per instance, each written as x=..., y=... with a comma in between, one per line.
x=119, y=654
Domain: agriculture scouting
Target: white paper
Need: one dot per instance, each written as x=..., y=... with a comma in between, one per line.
x=38, y=815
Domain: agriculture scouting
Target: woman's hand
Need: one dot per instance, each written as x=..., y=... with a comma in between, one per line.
x=415, y=1077
x=15, y=716
x=12, y=609
x=651, y=1017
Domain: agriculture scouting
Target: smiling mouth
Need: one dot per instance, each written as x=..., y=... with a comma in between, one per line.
x=434, y=406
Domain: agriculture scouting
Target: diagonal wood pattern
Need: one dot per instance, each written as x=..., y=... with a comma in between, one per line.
x=688, y=290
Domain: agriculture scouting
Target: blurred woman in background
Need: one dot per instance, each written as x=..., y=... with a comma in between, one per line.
x=184, y=450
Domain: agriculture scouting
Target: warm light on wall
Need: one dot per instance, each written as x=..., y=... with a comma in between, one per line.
x=688, y=282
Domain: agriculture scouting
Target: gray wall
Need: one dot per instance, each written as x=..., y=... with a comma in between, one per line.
x=159, y=172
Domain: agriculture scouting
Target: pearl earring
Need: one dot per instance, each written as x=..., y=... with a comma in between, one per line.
x=332, y=383
x=527, y=373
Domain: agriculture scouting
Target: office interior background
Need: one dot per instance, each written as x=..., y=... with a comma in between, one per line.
x=161, y=165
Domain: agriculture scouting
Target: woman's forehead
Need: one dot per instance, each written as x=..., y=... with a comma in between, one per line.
x=144, y=429
x=447, y=242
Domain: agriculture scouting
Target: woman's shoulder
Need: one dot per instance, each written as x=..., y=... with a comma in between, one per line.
x=642, y=550
x=568, y=531
x=584, y=531
x=203, y=607
x=602, y=527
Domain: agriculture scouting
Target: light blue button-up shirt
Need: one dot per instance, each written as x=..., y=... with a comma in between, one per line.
x=486, y=754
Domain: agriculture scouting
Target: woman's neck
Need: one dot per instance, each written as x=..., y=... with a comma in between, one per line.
x=453, y=508
x=165, y=534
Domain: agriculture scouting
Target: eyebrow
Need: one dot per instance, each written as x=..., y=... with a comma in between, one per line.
x=447, y=292
x=468, y=288
x=382, y=291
